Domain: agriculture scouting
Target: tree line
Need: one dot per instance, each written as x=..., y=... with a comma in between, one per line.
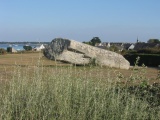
x=153, y=41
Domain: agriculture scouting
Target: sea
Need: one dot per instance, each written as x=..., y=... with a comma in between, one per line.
x=18, y=47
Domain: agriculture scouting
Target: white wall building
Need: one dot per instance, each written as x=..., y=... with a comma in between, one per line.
x=41, y=47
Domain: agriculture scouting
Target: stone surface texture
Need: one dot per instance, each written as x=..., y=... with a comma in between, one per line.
x=74, y=52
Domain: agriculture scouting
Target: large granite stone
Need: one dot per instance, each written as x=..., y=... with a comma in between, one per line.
x=79, y=53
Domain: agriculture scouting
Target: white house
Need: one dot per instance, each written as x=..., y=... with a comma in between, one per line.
x=13, y=50
x=41, y=47
x=108, y=45
x=131, y=47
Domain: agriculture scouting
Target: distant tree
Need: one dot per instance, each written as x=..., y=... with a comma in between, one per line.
x=27, y=48
x=9, y=49
x=95, y=40
x=153, y=41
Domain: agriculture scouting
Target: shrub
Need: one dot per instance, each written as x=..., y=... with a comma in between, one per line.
x=114, y=48
x=93, y=62
x=2, y=51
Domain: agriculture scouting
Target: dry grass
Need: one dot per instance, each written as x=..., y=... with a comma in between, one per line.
x=25, y=60
x=38, y=88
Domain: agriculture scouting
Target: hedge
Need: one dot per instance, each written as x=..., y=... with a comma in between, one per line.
x=146, y=59
x=149, y=51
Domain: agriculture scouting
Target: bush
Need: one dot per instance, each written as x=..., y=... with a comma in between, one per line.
x=114, y=48
x=2, y=51
x=27, y=48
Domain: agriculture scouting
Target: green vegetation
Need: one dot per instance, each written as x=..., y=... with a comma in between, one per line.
x=149, y=50
x=147, y=59
x=2, y=51
x=9, y=49
x=153, y=41
x=93, y=41
x=113, y=48
x=27, y=48
x=148, y=56
x=72, y=93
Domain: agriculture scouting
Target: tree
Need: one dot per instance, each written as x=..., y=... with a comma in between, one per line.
x=153, y=41
x=9, y=49
x=95, y=40
x=27, y=48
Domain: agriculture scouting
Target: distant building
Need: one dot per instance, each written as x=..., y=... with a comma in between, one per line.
x=41, y=47
x=120, y=46
x=131, y=47
x=108, y=45
x=11, y=49
x=128, y=46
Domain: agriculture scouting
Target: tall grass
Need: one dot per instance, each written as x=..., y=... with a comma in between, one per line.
x=70, y=93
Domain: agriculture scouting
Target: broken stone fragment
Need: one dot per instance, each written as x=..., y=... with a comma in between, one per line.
x=74, y=52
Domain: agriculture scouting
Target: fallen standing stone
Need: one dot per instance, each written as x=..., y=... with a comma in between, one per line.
x=74, y=52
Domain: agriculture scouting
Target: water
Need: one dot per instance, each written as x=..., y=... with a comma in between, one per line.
x=17, y=47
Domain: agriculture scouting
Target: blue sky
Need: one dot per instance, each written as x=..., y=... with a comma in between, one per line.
x=81, y=20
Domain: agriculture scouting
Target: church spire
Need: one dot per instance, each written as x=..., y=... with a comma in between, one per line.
x=137, y=40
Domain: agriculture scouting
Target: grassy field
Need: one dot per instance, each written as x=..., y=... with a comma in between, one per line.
x=9, y=61
x=33, y=87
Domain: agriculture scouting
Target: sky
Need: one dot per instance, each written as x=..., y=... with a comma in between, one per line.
x=80, y=20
